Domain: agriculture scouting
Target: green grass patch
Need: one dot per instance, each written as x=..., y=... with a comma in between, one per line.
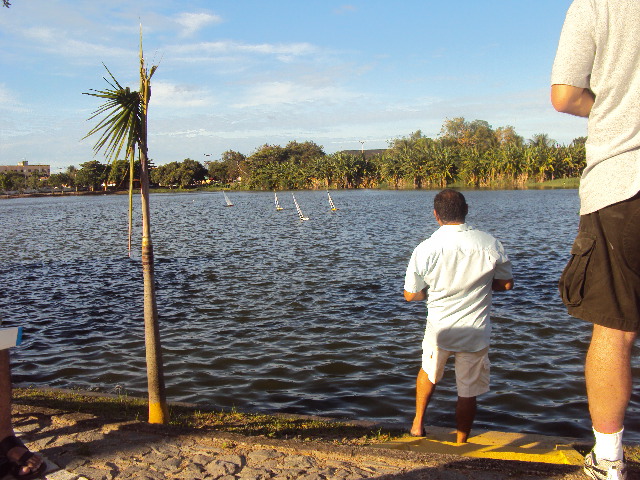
x=123, y=408
x=557, y=183
x=115, y=408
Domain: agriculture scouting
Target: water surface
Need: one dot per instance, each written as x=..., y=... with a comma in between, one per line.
x=260, y=311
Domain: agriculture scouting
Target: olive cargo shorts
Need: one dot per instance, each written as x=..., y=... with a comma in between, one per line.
x=601, y=282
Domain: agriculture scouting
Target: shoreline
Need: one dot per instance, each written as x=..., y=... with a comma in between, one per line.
x=558, y=184
x=6, y=196
x=92, y=436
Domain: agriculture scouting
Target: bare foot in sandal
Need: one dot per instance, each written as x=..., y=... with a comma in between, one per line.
x=25, y=465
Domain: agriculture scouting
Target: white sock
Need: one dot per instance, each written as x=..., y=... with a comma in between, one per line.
x=608, y=445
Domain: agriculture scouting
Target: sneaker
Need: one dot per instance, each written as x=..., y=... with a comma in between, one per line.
x=604, y=469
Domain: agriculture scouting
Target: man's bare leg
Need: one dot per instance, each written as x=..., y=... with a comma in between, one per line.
x=465, y=414
x=424, y=390
x=608, y=377
x=5, y=395
x=6, y=427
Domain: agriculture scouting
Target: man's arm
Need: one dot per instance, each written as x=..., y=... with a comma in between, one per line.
x=499, y=285
x=412, y=297
x=573, y=100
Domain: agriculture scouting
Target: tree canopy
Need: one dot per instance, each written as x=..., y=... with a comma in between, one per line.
x=469, y=152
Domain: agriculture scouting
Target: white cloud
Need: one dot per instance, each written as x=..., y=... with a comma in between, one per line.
x=278, y=93
x=8, y=101
x=58, y=42
x=344, y=9
x=167, y=94
x=230, y=48
x=192, y=22
x=192, y=133
x=5, y=97
x=41, y=34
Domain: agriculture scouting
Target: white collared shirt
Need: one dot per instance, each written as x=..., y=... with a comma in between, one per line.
x=458, y=265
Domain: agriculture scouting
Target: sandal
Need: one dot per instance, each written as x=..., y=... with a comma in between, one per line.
x=15, y=467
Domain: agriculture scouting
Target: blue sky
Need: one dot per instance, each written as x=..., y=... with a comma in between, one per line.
x=236, y=74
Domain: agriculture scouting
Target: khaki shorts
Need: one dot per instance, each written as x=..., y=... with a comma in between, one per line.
x=601, y=282
x=472, y=369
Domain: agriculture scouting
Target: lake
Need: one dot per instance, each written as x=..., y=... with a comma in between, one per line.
x=260, y=311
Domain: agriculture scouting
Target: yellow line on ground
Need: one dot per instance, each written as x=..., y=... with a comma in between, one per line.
x=493, y=445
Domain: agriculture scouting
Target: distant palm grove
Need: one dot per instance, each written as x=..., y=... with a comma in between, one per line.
x=467, y=153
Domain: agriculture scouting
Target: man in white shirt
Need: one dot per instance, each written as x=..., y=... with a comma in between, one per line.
x=455, y=271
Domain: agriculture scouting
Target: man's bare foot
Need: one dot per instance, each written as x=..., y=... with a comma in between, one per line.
x=417, y=430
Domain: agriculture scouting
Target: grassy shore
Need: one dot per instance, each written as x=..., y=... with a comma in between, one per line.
x=557, y=183
x=120, y=408
x=109, y=409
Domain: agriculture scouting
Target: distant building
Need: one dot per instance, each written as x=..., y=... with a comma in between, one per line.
x=368, y=153
x=24, y=168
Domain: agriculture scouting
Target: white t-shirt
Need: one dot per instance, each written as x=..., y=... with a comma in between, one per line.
x=599, y=49
x=458, y=265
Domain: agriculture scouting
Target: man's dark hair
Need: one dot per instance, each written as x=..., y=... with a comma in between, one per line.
x=450, y=206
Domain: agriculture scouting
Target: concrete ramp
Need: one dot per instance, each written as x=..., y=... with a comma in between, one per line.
x=523, y=447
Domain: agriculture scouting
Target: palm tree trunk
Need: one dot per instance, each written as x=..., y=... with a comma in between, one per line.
x=131, y=165
x=158, y=412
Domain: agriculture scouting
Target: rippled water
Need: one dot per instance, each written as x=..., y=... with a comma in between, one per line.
x=262, y=312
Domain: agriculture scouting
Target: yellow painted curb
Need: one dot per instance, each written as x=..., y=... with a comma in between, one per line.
x=494, y=445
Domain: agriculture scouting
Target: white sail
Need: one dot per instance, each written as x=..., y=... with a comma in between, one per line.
x=302, y=217
x=278, y=207
x=229, y=204
x=331, y=204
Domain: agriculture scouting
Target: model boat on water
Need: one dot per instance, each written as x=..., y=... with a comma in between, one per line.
x=331, y=204
x=226, y=199
x=302, y=217
x=278, y=207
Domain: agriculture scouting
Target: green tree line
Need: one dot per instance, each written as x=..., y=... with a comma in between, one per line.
x=96, y=176
x=469, y=153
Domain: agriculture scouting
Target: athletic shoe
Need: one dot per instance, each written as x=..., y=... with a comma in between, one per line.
x=604, y=469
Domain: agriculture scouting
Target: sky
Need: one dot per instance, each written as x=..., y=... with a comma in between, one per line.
x=238, y=74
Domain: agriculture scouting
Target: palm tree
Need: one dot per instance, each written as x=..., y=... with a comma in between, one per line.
x=124, y=126
x=541, y=140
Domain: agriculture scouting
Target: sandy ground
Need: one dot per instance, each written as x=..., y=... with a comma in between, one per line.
x=80, y=445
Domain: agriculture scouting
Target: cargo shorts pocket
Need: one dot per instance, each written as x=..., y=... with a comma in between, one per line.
x=631, y=242
x=573, y=277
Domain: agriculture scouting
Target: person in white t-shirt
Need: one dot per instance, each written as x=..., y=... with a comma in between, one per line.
x=455, y=271
x=596, y=74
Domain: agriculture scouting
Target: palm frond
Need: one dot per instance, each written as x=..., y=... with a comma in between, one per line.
x=122, y=120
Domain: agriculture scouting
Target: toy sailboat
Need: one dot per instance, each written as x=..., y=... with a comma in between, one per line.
x=278, y=207
x=302, y=217
x=226, y=199
x=331, y=204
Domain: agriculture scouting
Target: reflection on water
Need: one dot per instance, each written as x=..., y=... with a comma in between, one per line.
x=262, y=311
